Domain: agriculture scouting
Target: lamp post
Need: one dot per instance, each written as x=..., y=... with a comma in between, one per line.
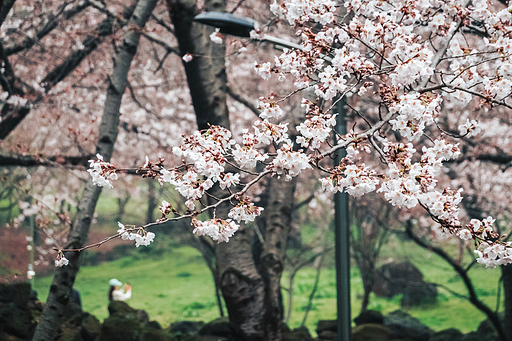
x=241, y=27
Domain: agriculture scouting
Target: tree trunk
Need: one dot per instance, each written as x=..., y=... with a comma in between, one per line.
x=60, y=290
x=366, y=266
x=122, y=201
x=152, y=205
x=5, y=7
x=506, y=273
x=242, y=286
x=278, y=219
x=251, y=290
x=366, y=297
x=206, y=76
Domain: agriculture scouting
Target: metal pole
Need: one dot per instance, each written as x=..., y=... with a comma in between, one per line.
x=341, y=243
x=30, y=247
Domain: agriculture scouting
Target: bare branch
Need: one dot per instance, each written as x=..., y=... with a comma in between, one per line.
x=45, y=29
x=33, y=161
x=148, y=35
x=473, y=297
x=244, y=100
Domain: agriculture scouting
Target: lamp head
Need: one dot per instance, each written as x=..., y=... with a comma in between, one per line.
x=228, y=23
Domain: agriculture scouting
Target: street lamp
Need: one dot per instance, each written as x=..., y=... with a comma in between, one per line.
x=237, y=26
x=241, y=27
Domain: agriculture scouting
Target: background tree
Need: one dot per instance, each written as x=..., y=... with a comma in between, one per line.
x=370, y=222
x=60, y=291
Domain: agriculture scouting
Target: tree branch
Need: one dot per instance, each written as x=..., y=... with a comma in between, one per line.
x=40, y=160
x=148, y=35
x=244, y=100
x=473, y=297
x=90, y=43
x=5, y=8
x=45, y=29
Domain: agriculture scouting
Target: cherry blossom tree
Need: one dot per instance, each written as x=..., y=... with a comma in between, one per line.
x=415, y=74
x=412, y=61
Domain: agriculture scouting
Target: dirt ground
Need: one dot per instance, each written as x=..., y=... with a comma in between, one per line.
x=14, y=256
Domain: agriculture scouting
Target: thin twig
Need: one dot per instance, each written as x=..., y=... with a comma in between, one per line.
x=245, y=101
x=190, y=215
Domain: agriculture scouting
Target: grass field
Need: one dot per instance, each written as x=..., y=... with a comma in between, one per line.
x=177, y=285
x=174, y=283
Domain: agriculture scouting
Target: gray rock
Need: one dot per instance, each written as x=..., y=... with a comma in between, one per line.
x=17, y=293
x=369, y=316
x=371, y=332
x=128, y=324
x=407, y=327
x=486, y=327
x=118, y=328
x=484, y=332
x=17, y=308
x=323, y=325
x=298, y=334
x=217, y=327
x=475, y=336
x=451, y=334
x=15, y=321
x=90, y=327
x=415, y=294
x=186, y=327
x=392, y=278
x=327, y=335
x=404, y=278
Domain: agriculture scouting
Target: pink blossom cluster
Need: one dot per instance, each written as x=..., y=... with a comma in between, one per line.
x=299, y=11
x=415, y=112
x=470, y=128
x=356, y=180
x=245, y=210
x=491, y=252
x=218, y=229
x=141, y=236
x=316, y=128
x=289, y=162
x=102, y=173
x=61, y=260
x=270, y=110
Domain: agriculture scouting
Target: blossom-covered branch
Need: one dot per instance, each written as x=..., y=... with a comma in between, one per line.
x=380, y=54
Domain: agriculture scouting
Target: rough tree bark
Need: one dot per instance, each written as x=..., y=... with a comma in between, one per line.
x=206, y=76
x=278, y=219
x=60, y=290
x=250, y=285
x=5, y=7
x=506, y=273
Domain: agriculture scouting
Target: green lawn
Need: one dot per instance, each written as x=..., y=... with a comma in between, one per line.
x=178, y=286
